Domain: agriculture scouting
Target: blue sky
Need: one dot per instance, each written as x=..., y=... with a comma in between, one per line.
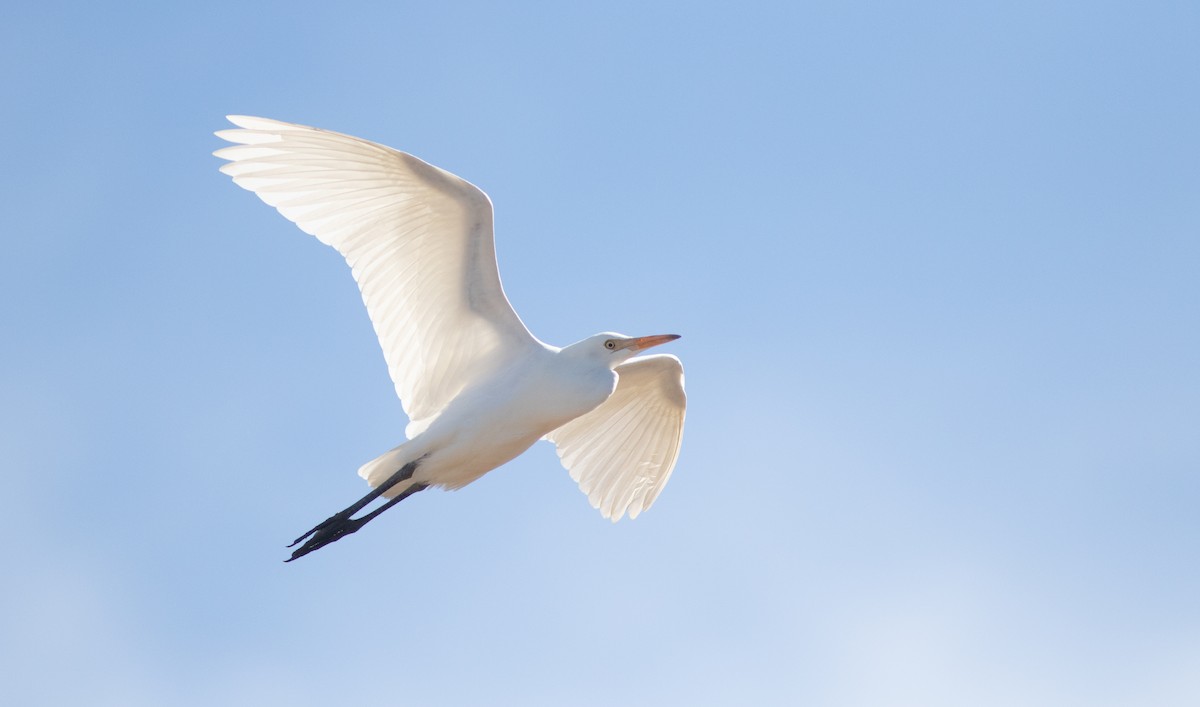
x=937, y=271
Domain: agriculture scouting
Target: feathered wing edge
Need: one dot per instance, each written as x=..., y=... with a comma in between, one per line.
x=622, y=453
x=417, y=238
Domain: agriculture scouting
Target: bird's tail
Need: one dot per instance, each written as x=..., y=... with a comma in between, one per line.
x=381, y=468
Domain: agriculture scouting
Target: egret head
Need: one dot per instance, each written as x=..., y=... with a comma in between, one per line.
x=614, y=349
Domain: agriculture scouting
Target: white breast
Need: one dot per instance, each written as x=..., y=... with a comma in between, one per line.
x=487, y=426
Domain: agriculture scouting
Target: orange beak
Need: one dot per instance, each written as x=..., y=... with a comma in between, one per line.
x=641, y=343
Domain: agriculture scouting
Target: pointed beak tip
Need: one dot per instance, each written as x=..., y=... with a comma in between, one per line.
x=645, y=342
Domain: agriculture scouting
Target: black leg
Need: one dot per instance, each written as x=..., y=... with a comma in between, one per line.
x=340, y=524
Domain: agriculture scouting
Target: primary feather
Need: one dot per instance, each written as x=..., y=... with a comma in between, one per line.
x=418, y=241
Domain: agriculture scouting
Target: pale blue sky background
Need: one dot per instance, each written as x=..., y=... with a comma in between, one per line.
x=936, y=265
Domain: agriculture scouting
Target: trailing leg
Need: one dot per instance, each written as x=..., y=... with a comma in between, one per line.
x=341, y=524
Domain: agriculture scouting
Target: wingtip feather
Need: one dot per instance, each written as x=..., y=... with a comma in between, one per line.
x=253, y=122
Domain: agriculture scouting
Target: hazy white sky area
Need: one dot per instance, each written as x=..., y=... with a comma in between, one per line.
x=937, y=270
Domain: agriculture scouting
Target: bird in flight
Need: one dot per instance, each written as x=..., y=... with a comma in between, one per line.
x=478, y=388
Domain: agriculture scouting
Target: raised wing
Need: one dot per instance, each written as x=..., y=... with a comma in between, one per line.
x=418, y=240
x=622, y=452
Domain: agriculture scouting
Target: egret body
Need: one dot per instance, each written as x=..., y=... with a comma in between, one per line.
x=478, y=387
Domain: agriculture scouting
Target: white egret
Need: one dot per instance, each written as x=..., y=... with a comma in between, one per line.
x=479, y=389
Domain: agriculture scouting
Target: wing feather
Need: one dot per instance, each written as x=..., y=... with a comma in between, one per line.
x=418, y=241
x=623, y=452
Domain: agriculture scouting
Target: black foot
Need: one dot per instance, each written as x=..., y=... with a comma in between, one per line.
x=339, y=525
x=331, y=530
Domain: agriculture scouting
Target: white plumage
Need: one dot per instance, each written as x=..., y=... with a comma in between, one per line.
x=622, y=452
x=477, y=386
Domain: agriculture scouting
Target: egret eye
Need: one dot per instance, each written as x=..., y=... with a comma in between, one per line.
x=610, y=344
